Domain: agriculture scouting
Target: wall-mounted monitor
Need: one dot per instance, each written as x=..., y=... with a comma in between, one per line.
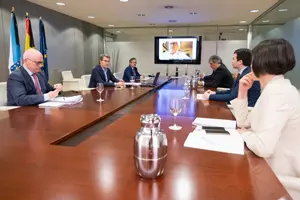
x=178, y=50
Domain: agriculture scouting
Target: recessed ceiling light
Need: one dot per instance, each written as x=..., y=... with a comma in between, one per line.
x=141, y=15
x=193, y=13
x=265, y=21
x=283, y=10
x=254, y=11
x=60, y=4
x=118, y=31
x=91, y=17
x=243, y=22
x=111, y=25
x=241, y=29
x=171, y=31
x=123, y=0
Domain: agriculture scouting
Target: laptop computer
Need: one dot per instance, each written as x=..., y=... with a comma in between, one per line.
x=154, y=81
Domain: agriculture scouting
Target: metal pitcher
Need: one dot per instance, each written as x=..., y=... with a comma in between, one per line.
x=150, y=148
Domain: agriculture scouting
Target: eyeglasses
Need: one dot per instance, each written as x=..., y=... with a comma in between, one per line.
x=37, y=62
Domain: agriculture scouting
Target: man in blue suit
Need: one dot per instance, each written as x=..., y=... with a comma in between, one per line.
x=102, y=74
x=28, y=85
x=131, y=70
x=241, y=61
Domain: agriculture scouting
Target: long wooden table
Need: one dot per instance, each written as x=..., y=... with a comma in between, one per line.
x=102, y=167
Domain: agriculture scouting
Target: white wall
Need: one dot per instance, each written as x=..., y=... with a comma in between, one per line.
x=291, y=32
x=143, y=50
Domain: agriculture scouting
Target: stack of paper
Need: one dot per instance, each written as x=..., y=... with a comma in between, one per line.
x=60, y=101
x=68, y=100
x=215, y=122
x=134, y=84
x=228, y=143
x=200, y=97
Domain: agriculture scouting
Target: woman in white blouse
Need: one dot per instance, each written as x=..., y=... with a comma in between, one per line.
x=272, y=129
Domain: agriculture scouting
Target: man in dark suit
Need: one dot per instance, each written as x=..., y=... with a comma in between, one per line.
x=28, y=85
x=221, y=76
x=241, y=61
x=131, y=70
x=102, y=74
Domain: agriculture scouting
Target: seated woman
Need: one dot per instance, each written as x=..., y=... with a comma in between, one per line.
x=272, y=129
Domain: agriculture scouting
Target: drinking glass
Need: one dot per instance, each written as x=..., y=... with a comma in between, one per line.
x=175, y=109
x=100, y=88
x=132, y=80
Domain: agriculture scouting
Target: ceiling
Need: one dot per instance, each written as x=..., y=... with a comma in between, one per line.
x=125, y=14
x=277, y=17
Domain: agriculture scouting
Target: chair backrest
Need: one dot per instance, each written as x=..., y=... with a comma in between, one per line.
x=86, y=80
x=67, y=75
x=3, y=93
x=118, y=75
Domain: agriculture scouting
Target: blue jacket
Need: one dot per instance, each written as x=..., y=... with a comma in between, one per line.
x=128, y=72
x=21, y=90
x=98, y=76
x=227, y=96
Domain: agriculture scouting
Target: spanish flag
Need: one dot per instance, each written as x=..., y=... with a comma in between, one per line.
x=29, y=42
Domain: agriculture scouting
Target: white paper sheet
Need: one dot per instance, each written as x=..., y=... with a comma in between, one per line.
x=232, y=143
x=231, y=124
x=200, y=97
x=51, y=104
x=68, y=100
x=134, y=84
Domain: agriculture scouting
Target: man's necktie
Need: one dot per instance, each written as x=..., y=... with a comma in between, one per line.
x=105, y=74
x=36, y=84
x=134, y=74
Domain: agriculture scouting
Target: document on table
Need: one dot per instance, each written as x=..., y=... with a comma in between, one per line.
x=231, y=124
x=226, y=143
x=134, y=84
x=200, y=97
x=60, y=101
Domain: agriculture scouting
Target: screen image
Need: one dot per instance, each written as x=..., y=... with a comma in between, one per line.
x=177, y=50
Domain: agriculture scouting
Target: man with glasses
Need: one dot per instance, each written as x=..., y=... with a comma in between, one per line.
x=131, y=70
x=174, y=52
x=28, y=85
x=102, y=74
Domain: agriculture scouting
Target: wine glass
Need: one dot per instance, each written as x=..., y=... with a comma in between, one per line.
x=175, y=109
x=132, y=80
x=100, y=88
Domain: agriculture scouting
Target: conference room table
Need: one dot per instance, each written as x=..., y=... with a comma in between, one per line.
x=34, y=164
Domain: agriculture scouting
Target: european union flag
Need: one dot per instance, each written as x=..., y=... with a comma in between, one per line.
x=43, y=48
x=14, y=50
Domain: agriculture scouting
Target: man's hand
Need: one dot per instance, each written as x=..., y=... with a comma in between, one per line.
x=58, y=87
x=53, y=94
x=119, y=84
x=206, y=95
x=210, y=92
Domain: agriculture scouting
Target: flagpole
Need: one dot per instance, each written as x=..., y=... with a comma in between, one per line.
x=13, y=9
x=27, y=14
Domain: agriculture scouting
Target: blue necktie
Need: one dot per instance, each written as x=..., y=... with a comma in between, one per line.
x=105, y=74
x=134, y=74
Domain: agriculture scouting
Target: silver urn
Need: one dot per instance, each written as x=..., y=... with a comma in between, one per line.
x=150, y=148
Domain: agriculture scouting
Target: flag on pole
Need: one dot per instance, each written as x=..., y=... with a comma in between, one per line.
x=14, y=47
x=29, y=42
x=43, y=48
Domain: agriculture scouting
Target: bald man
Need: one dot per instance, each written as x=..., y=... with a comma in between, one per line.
x=28, y=85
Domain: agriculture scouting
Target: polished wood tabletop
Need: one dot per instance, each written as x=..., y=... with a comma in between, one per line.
x=102, y=166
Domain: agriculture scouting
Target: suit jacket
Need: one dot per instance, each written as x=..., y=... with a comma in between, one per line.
x=227, y=96
x=98, y=76
x=274, y=124
x=221, y=77
x=21, y=90
x=128, y=73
